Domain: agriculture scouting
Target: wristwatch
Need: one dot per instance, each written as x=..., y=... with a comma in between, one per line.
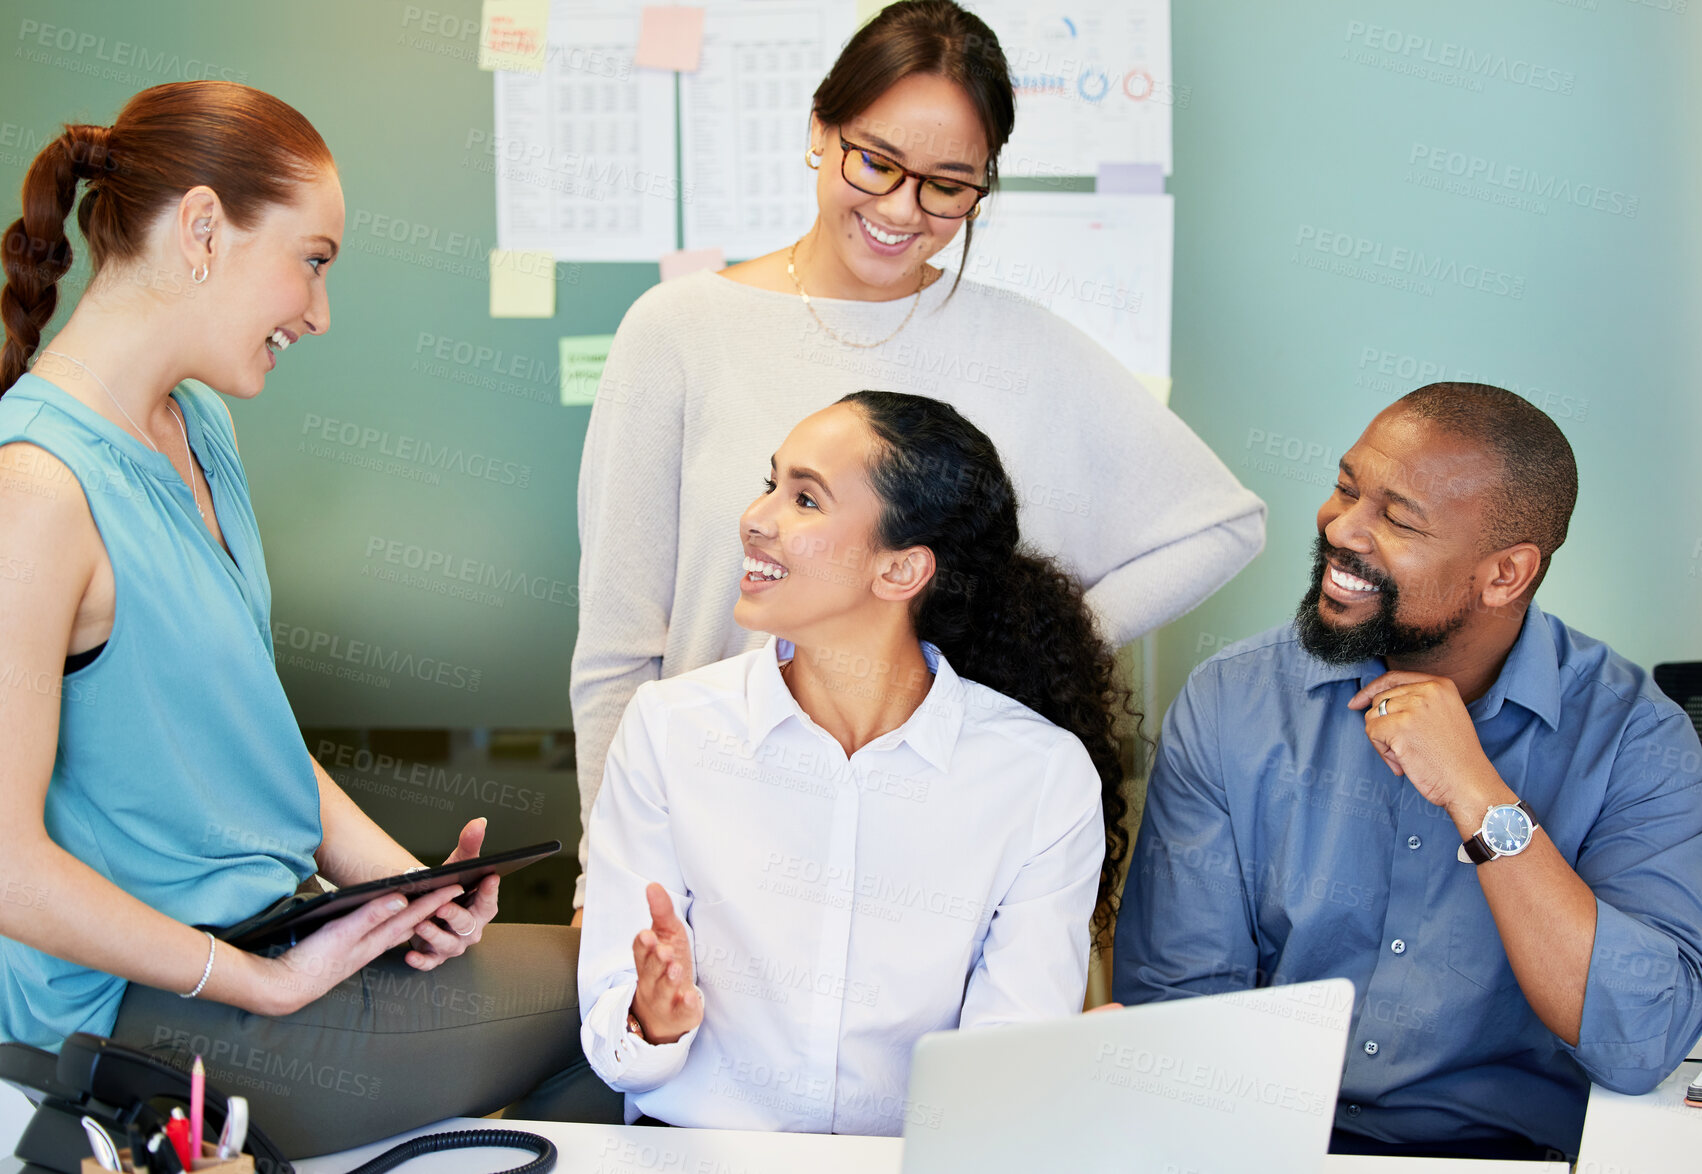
x=1508, y=829
x=634, y=1027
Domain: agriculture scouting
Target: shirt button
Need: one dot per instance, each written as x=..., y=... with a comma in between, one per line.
x=1398, y=946
x=1414, y=843
x=1353, y=1110
x=1370, y=1047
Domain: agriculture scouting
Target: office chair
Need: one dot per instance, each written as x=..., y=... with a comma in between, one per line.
x=1682, y=681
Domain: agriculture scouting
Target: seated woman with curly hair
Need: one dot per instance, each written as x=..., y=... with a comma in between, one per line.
x=901, y=815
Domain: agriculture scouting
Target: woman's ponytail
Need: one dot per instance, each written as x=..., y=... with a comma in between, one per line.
x=1004, y=617
x=247, y=146
x=36, y=250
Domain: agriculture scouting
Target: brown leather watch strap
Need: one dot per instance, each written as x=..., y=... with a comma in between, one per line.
x=1479, y=850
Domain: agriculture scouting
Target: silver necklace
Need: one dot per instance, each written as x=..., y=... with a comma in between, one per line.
x=194, y=494
x=792, y=272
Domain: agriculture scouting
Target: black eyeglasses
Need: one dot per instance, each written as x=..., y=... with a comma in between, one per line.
x=875, y=174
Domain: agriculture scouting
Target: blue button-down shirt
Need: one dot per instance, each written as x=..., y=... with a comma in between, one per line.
x=1277, y=847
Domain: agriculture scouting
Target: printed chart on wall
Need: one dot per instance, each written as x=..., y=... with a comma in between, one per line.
x=1100, y=262
x=1093, y=83
x=745, y=123
x=584, y=152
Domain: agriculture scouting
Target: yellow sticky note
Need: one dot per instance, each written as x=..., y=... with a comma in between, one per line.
x=670, y=37
x=582, y=360
x=523, y=283
x=1159, y=385
x=512, y=35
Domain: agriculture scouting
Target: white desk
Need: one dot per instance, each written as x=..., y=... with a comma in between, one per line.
x=624, y=1149
x=1652, y=1134
x=620, y=1149
x=636, y=1149
x=1656, y=1133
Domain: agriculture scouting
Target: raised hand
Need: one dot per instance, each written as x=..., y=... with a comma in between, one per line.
x=667, y=1003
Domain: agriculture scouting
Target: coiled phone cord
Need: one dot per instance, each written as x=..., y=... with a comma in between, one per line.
x=467, y=1139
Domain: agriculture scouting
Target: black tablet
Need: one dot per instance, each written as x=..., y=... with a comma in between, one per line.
x=296, y=916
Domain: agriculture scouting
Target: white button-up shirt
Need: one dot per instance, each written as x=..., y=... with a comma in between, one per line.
x=943, y=876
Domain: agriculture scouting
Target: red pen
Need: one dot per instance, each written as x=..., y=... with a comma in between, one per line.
x=177, y=1131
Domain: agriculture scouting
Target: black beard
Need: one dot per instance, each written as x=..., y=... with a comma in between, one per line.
x=1382, y=635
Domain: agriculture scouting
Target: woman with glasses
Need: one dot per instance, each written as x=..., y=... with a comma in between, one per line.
x=705, y=371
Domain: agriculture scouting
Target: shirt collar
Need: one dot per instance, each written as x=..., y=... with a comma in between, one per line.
x=931, y=731
x=1530, y=676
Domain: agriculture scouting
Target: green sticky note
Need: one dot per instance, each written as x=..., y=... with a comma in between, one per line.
x=582, y=360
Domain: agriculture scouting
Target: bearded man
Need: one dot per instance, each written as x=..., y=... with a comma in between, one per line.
x=1490, y=822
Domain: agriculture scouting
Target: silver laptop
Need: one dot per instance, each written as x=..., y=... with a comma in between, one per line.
x=1219, y=1084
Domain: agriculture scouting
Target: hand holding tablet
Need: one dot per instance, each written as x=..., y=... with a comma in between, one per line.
x=295, y=917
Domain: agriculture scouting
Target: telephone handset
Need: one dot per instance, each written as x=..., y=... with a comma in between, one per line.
x=117, y=1086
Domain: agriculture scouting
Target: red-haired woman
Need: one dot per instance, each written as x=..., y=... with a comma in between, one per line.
x=707, y=371
x=154, y=778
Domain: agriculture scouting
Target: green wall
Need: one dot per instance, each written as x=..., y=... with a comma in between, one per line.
x=1291, y=132
x=1291, y=128
x=412, y=357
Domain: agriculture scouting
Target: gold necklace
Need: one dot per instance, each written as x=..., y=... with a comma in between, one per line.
x=194, y=494
x=792, y=272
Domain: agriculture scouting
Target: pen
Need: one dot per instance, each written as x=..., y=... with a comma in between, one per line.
x=235, y=1133
x=106, y=1152
x=162, y=1156
x=137, y=1141
x=197, y=1107
x=177, y=1131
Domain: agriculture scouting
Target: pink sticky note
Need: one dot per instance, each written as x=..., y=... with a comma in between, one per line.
x=690, y=261
x=670, y=38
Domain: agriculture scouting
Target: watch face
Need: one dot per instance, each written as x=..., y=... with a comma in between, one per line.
x=1507, y=829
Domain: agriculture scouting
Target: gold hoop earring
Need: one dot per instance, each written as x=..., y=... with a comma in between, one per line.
x=812, y=159
x=974, y=212
x=199, y=273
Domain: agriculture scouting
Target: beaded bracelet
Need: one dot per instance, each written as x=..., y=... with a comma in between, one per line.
x=212, y=949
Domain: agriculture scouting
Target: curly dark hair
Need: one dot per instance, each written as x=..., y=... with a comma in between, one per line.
x=1005, y=617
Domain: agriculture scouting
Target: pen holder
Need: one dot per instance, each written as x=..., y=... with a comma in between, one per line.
x=209, y=1163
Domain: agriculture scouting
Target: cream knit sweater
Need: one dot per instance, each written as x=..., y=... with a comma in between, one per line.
x=707, y=376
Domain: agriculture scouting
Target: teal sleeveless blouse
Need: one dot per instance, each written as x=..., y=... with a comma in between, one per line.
x=180, y=774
